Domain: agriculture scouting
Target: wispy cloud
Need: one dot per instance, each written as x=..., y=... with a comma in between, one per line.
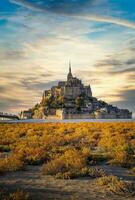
x=61, y=6
x=74, y=9
x=127, y=95
x=19, y=91
x=113, y=78
x=39, y=39
x=112, y=20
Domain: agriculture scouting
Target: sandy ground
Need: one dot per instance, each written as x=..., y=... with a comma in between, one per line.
x=46, y=187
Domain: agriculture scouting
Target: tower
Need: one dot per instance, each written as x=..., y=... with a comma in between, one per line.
x=69, y=76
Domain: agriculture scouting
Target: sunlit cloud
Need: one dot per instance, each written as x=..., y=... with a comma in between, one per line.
x=36, y=44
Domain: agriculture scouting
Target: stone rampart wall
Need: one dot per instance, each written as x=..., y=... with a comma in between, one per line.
x=78, y=116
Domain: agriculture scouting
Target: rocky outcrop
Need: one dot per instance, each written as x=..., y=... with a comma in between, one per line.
x=71, y=99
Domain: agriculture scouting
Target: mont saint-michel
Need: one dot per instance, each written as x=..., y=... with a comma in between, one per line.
x=71, y=99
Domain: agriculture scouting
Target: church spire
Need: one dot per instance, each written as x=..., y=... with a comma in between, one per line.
x=70, y=67
x=70, y=72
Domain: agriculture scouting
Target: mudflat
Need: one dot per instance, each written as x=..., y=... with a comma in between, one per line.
x=44, y=187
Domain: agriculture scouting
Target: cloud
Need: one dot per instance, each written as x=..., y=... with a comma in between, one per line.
x=127, y=97
x=112, y=20
x=122, y=60
x=48, y=55
x=61, y=6
x=113, y=77
x=109, y=62
x=3, y=89
x=75, y=9
x=19, y=91
x=131, y=61
x=124, y=71
x=31, y=64
x=10, y=104
x=11, y=54
x=38, y=86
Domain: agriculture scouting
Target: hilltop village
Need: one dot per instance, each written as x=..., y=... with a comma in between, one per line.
x=71, y=99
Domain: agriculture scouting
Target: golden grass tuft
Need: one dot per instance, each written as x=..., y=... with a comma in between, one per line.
x=63, y=146
x=115, y=185
x=17, y=195
x=92, y=172
x=133, y=170
x=11, y=163
x=70, y=160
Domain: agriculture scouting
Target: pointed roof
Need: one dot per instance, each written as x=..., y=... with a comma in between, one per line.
x=70, y=72
x=70, y=67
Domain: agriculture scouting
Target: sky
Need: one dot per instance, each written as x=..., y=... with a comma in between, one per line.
x=38, y=38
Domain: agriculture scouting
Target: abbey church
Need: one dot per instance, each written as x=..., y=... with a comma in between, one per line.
x=71, y=99
x=70, y=89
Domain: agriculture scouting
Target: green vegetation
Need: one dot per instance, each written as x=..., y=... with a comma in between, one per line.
x=79, y=102
x=52, y=102
x=4, y=148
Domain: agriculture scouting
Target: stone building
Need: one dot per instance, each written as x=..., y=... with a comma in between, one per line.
x=26, y=114
x=70, y=89
x=71, y=99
